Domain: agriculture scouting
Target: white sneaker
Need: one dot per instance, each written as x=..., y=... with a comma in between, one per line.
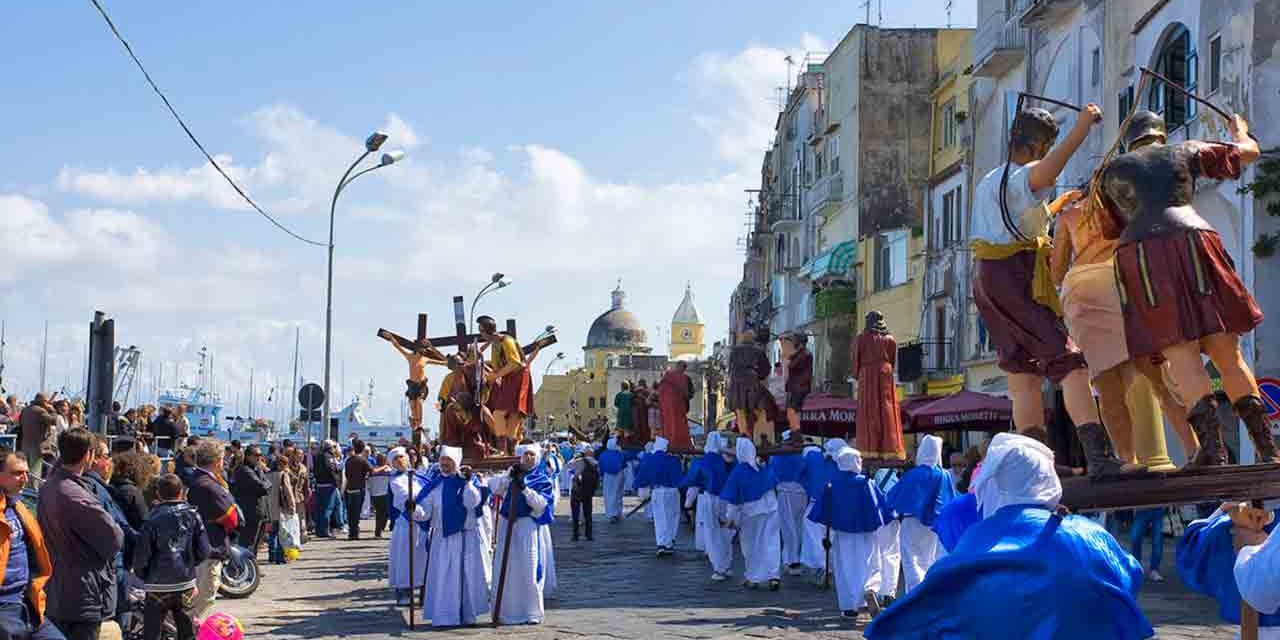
x=1155, y=576
x=718, y=577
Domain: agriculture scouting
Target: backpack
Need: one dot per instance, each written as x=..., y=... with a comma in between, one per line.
x=589, y=478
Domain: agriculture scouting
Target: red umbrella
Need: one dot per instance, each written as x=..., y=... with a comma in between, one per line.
x=828, y=416
x=962, y=410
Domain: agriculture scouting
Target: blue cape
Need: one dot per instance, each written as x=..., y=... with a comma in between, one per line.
x=1206, y=563
x=455, y=514
x=1024, y=574
x=852, y=504
x=611, y=461
x=921, y=493
x=541, y=484
x=818, y=469
x=747, y=485
x=955, y=519
x=707, y=473
x=787, y=468
x=631, y=454
x=659, y=469
x=423, y=483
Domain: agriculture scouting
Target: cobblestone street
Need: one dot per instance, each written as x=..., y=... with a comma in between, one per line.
x=613, y=588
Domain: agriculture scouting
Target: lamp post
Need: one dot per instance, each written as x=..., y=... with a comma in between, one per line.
x=371, y=145
x=558, y=358
x=495, y=281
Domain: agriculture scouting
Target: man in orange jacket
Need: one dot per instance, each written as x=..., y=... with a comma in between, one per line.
x=24, y=559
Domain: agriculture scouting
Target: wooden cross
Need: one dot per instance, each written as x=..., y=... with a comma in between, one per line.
x=422, y=346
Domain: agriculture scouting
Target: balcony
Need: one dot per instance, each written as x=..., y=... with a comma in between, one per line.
x=825, y=193
x=1000, y=43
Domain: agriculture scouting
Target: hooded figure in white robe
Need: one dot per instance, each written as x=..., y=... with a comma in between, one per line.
x=635, y=471
x=1257, y=573
x=458, y=569
x=613, y=469
x=703, y=483
x=854, y=510
x=400, y=574
x=793, y=504
x=522, y=599
x=751, y=506
x=657, y=479
x=887, y=564
x=549, y=465
x=918, y=498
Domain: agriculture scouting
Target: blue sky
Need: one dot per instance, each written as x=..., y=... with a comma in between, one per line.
x=567, y=145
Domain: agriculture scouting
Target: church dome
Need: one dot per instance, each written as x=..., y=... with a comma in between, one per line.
x=617, y=327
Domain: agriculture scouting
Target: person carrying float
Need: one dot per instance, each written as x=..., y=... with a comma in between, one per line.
x=458, y=567
x=403, y=576
x=518, y=565
x=703, y=482
x=917, y=498
x=657, y=480
x=613, y=467
x=751, y=506
x=851, y=509
x=793, y=503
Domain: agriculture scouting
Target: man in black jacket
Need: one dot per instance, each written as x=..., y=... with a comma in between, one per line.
x=250, y=489
x=83, y=541
x=98, y=475
x=327, y=481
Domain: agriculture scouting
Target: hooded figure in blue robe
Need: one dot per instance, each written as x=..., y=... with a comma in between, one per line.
x=1206, y=559
x=851, y=509
x=917, y=498
x=1023, y=572
x=955, y=519
x=819, y=466
x=613, y=463
x=703, y=483
x=793, y=504
x=657, y=479
x=751, y=505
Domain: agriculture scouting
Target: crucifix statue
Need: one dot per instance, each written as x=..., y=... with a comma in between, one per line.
x=418, y=353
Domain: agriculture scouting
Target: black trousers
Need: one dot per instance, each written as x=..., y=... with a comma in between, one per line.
x=380, y=512
x=159, y=605
x=79, y=630
x=580, y=504
x=355, y=503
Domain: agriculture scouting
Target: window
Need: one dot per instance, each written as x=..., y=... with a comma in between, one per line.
x=1096, y=66
x=1176, y=61
x=939, y=342
x=833, y=152
x=779, y=291
x=1215, y=63
x=602, y=402
x=819, y=164
x=1125, y=103
x=891, y=259
x=591, y=403
x=950, y=222
x=949, y=124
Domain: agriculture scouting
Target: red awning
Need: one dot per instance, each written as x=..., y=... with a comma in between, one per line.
x=828, y=416
x=961, y=411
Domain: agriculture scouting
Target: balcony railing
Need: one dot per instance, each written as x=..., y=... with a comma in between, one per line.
x=1001, y=42
x=825, y=192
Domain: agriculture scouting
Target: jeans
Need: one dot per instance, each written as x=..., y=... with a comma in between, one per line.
x=15, y=622
x=580, y=503
x=275, y=552
x=379, y=513
x=159, y=605
x=327, y=505
x=354, y=504
x=1145, y=520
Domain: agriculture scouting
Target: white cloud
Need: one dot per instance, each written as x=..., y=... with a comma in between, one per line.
x=401, y=134
x=34, y=238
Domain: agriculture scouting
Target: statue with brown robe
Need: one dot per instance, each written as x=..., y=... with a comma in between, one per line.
x=748, y=397
x=641, y=398
x=674, y=391
x=875, y=353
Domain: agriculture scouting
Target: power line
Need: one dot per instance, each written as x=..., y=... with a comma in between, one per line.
x=191, y=135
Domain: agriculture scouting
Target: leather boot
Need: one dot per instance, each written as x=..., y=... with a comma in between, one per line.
x=1099, y=454
x=1254, y=414
x=1204, y=421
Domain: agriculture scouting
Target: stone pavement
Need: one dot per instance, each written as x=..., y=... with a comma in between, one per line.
x=610, y=588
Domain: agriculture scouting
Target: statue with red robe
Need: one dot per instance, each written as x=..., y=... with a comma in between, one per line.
x=674, y=391
x=879, y=421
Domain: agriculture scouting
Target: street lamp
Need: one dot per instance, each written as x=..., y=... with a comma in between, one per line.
x=371, y=146
x=495, y=282
x=558, y=358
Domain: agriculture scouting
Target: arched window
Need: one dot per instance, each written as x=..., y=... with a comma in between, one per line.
x=1175, y=59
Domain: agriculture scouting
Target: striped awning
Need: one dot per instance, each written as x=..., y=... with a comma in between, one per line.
x=832, y=263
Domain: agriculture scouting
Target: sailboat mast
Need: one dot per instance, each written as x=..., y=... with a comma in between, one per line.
x=44, y=356
x=293, y=397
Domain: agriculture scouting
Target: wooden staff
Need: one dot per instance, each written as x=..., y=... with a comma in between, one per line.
x=506, y=550
x=1187, y=92
x=826, y=540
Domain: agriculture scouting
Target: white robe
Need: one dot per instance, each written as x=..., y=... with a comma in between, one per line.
x=851, y=561
x=548, y=551
x=920, y=549
x=613, y=485
x=458, y=573
x=1257, y=574
x=522, y=593
x=666, y=514
x=701, y=516
x=886, y=561
x=812, y=554
x=399, y=573
x=793, y=504
x=759, y=536
x=629, y=475
x=718, y=539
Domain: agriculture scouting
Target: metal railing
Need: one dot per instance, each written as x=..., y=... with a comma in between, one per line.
x=1000, y=31
x=827, y=191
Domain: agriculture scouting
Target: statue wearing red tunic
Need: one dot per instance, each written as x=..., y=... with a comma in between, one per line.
x=674, y=391
x=460, y=423
x=879, y=422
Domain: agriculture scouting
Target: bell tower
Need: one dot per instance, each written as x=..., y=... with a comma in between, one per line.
x=686, y=329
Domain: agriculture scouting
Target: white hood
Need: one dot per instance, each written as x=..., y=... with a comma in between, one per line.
x=1017, y=470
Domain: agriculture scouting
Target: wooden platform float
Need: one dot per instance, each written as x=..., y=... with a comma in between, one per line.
x=1231, y=483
